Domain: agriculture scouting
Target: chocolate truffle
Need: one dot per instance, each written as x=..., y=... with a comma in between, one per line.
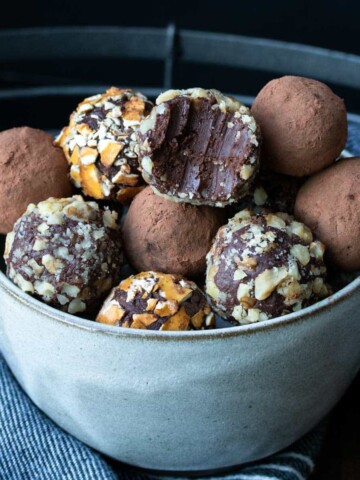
x=199, y=146
x=169, y=237
x=99, y=141
x=271, y=191
x=66, y=252
x=303, y=124
x=32, y=169
x=262, y=266
x=329, y=202
x=157, y=301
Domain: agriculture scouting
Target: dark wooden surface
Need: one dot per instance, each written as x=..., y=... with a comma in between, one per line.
x=340, y=456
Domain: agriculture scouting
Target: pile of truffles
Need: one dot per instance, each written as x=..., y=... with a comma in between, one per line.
x=252, y=205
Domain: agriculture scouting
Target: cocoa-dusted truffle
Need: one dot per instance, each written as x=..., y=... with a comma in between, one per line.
x=157, y=301
x=99, y=141
x=262, y=266
x=199, y=146
x=329, y=202
x=169, y=237
x=67, y=252
x=303, y=124
x=32, y=169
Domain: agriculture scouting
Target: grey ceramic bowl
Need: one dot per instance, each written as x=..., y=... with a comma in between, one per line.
x=183, y=401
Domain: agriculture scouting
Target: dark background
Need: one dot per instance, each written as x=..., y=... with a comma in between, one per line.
x=326, y=23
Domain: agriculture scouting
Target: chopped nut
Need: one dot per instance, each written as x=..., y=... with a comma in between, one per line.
x=25, y=285
x=51, y=264
x=301, y=253
x=111, y=314
x=43, y=227
x=89, y=175
x=151, y=304
x=110, y=219
x=273, y=220
x=246, y=172
x=126, y=178
x=38, y=269
x=260, y=196
x=239, y=274
x=74, y=158
x=243, y=291
x=301, y=230
x=8, y=244
x=83, y=129
x=44, y=289
x=267, y=281
x=88, y=155
x=164, y=309
x=198, y=319
x=40, y=244
x=109, y=150
x=172, y=290
x=143, y=320
x=317, y=250
x=180, y=321
x=71, y=290
x=133, y=109
x=76, y=306
x=319, y=287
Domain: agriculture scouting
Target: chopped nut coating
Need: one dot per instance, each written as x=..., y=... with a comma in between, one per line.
x=157, y=301
x=262, y=266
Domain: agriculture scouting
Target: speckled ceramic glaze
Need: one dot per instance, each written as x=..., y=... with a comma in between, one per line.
x=183, y=401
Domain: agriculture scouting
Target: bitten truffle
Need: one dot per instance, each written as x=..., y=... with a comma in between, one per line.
x=99, y=141
x=263, y=266
x=157, y=301
x=169, y=237
x=329, y=203
x=303, y=124
x=66, y=252
x=199, y=146
x=32, y=169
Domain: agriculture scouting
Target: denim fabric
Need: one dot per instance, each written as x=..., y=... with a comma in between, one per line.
x=32, y=447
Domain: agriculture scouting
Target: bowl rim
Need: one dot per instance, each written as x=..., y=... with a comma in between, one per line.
x=10, y=289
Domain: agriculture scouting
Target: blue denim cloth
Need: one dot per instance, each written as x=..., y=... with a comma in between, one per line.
x=32, y=447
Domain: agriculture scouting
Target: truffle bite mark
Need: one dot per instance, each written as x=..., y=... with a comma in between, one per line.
x=199, y=146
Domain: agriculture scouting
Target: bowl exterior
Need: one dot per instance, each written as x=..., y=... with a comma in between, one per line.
x=184, y=404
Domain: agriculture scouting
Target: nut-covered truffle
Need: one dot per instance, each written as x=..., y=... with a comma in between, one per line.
x=99, y=141
x=271, y=191
x=199, y=146
x=169, y=237
x=303, y=124
x=32, y=169
x=329, y=202
x=67, y=252
x=263, y=266
x=157, y=301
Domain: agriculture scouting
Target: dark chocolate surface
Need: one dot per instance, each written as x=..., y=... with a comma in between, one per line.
x=274, y=305
x=203, y=150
